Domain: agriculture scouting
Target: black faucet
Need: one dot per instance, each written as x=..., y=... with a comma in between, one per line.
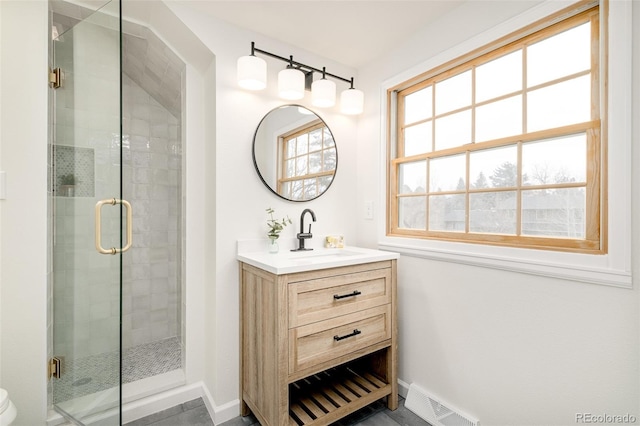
x=304, y=235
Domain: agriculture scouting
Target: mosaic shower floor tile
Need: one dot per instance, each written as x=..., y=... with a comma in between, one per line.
x=96, y=373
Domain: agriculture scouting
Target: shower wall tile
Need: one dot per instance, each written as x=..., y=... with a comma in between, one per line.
x=142, y=287
x=160, y=330
x=140, y=336
x=160, y=285
x=154, y=297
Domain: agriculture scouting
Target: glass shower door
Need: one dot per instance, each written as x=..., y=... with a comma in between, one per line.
x=90, y=220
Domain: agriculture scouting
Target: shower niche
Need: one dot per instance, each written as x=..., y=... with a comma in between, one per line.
x=141, y=307
x=74, y=171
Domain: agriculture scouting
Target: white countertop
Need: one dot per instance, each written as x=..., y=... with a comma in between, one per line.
x=287, y=262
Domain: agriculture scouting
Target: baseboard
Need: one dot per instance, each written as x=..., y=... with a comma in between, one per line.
x=164, y=400
x=403, y=388
x=222, y=413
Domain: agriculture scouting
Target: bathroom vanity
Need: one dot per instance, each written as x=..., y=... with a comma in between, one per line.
x=318, y=334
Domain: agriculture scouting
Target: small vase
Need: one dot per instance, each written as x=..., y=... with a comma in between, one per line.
x=68, y=190
x=273, y=245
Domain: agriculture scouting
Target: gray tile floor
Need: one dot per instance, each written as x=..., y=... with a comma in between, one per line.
x=194, y=413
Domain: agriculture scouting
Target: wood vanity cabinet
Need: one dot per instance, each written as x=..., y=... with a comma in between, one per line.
x=317, y=345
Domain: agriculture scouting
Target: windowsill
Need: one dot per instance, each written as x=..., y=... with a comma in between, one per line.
x=593, y=269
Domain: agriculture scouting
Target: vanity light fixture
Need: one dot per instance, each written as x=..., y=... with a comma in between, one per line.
x=252, y=72
x=323, y=92
x=351, y=101
x=293, y=80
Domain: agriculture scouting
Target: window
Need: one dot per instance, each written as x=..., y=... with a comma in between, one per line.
x=307, y=162
x=505, y=148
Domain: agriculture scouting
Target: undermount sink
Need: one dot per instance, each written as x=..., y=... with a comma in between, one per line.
x=287, y=261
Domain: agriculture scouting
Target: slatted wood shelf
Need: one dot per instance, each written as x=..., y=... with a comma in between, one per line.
x=323, y=398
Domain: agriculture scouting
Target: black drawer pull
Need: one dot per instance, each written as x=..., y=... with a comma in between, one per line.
x=338, y=296
x=355, y=333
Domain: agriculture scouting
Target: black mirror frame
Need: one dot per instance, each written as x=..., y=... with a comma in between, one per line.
x=255, y=163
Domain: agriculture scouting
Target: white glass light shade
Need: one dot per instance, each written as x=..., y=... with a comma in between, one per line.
x=291, y=84
x=323, y=93
x=252, y=72
x=352, y=101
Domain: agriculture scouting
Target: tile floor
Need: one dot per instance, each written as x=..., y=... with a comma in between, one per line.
x=194, y=413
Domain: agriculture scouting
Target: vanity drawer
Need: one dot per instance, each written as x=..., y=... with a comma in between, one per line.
x=323, y=298
x=319, y=342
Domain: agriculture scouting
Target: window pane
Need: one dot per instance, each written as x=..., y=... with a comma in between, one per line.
x=499, y=119
x=499, y=77
x=412, y=177
x=493, y=168
x=412, y=212
x=292, y=190
x=328, y=138
x=453, y=130
x=417, y=139
x=560, y=104
x=295, y=191
x=453, y=93
x=330, y=159
x=315, y=162
x=554, y=161
x=301, y=166
x=290, y=169
x=310, y=189
x=323, y=183
x=447, y=213
x=315, y=140
x=417, y=106
x=303, y=144
x=291, y=148
x=493, y=212
x=558, y=56
x=447, y=173
x=554, y=213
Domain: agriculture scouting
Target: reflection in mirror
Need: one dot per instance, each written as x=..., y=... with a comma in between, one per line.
x=294, y=153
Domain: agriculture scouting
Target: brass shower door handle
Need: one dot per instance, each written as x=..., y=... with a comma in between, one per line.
x=113, y=250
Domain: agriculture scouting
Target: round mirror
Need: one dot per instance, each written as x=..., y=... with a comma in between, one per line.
x=294, y=153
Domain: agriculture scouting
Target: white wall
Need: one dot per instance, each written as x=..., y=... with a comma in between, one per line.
x=23, y=265
x=505, y=347
x=1, y=169
x=241, y=198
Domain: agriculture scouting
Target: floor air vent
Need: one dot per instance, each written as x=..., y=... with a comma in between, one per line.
x=435, y=412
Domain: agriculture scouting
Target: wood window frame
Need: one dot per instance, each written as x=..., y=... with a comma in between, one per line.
x=282, y=157
x=595, y=241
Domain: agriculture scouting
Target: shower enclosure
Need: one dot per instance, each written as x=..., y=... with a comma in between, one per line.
x=116, y=210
